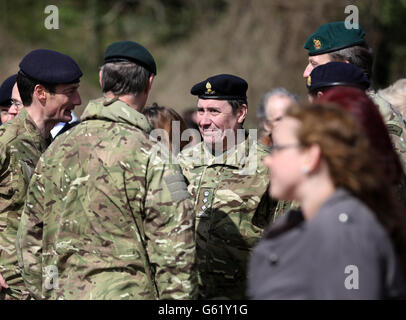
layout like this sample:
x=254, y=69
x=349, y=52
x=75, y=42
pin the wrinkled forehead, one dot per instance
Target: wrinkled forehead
x=212, y=103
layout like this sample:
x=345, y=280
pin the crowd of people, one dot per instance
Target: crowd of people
x=132, y=202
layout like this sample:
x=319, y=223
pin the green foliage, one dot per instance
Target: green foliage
x=392, y=13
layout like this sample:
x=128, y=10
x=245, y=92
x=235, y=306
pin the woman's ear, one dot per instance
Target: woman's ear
x=312, y=158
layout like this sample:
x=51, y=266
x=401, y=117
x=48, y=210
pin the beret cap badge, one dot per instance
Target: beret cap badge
x=208, y=87
x=317, y=44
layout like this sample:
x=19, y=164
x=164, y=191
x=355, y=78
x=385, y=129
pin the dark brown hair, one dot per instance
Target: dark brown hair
x=161, y=117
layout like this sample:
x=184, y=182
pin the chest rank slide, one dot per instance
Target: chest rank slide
x=204, y=202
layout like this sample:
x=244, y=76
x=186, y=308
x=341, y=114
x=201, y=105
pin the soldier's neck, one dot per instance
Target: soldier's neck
x=136, y=102
x=45, y=126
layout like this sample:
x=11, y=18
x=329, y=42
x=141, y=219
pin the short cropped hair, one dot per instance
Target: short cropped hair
x=26, y=86
x=122, y=78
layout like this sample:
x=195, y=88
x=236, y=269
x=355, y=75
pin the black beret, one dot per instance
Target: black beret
x=332, y=37
x=221, y=87
x=50, y=66
x=130, y=51
x=6, y=89
x=337, y=74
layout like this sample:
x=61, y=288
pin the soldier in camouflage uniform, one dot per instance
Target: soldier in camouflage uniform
x=334, y=42
x=6, y=90
x=105, y=216
x=48, y=82
x=229, y=185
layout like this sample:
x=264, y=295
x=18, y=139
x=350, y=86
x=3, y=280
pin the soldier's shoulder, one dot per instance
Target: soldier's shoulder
x=9, y=132
x=262, y=149
x=388, y=111
x=257, y=152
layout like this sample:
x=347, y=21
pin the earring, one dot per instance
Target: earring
x=305, y=170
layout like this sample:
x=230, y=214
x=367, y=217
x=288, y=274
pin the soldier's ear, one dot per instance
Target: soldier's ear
x=101, y=77
x=242, y=113
x=149, y=86
x=40, y=93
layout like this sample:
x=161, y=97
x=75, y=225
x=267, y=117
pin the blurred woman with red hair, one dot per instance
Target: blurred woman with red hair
x=367, y=115
x=348, y=238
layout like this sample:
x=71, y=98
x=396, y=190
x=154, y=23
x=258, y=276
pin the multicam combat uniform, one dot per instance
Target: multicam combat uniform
x=232, y=207
x=395, y=124
x=21, y=145
x=105, y=217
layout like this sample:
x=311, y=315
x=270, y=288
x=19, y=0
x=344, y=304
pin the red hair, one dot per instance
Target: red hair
x=366, y=113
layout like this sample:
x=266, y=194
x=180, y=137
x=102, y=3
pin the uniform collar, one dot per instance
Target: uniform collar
x=32, y=129
x=237, y=156
x=118, y=111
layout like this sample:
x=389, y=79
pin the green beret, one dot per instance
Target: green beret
x=333, y=36
x=130, y=51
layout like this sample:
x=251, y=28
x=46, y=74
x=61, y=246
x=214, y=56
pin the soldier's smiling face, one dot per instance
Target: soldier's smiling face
x=62, y=102
x=215, y=117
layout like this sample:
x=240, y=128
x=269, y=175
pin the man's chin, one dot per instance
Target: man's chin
x=214, y=144
x=212, y=140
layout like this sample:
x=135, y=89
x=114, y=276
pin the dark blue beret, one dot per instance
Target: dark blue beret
x=337, y=74
x=6, y=90
x=50, y=66
x=130, y=51
x=221, y=87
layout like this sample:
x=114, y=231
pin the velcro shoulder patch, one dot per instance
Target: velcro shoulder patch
x=27, y=171
x=177, y=187
x=394, y=129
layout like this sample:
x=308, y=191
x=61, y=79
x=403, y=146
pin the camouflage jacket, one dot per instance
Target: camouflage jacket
x=105, y=217
x=395, y=124
x=21, y=146
x=232, y=208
